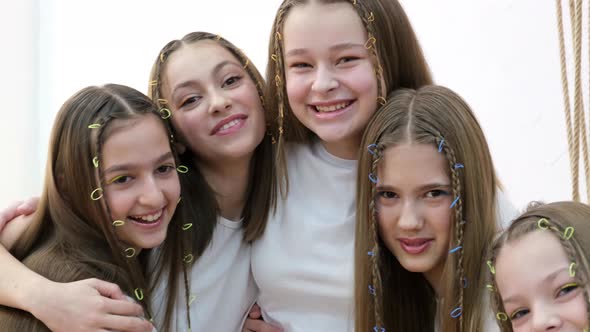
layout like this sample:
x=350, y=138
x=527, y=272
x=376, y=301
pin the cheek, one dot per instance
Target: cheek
x=120, y=203
x=386, y=221
x=576, y=310
x=440, y=220
x=296, y=87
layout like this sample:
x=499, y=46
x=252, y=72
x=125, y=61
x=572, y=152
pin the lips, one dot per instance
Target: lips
x=331, y=107
x=228, y=123
x=149, y=218
x=415, y=246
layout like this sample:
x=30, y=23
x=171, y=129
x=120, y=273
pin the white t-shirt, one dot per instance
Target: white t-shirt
x=221, y=281
x=304, y=263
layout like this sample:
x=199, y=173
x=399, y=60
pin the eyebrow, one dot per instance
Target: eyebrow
x=337, y=47
x=123, y=167
x=546, y=280
x=429, y=186
x=215, y=71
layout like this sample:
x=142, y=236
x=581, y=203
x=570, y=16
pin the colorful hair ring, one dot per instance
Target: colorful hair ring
x=182, y=169
x=96, y=194
x=457, y=312
x=543, y=223
x=118, y=223
x=165, y=113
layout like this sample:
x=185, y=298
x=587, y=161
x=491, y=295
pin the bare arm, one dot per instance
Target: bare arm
x=86, y=305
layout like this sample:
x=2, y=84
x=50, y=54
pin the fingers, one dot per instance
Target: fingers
x=122, y=307
x=107, y=289
x=254, y=325
x=128, y=324
x=255, y=312
x=9, y=213
x=28, y=206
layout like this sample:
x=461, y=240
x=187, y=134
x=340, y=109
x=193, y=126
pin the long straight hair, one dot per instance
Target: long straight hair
x=260, y=193
x=398, y=62
x=72, y=235
x=402, y=300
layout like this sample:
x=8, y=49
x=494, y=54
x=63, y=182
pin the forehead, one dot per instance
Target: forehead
x=542, y=253
x=413, y=164
x=197, y=58
x=134, y=140
x=316, y=24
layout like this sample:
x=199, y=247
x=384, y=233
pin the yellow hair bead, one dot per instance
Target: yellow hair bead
x=543, y=223
x=370, y=42
x=490, y=287
x=129, y=252
x=572, y=269
x=371, y=17
x=274, y=57
x=161, y=57
x=247, y=63
x=153, y=83
x=279, y=36
x=165, y=113
x=492, y=269
x=118, y=223
x=187, y=226
x=502, y=316
x=381, y=101
x=162, y=101
x=139, y=294
x=94, y=126
x=96, y=194
x=192, y=299
x=568, y=233
x=95, y=162
x=188, y=258
x=278, y=80
x=182, y=169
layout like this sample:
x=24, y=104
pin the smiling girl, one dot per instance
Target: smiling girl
x=540, y=270
x=426, y=213
x=111, y=191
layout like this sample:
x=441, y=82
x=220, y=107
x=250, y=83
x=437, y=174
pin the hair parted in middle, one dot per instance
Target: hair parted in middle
x=404, y=300
x=261, y=197
x=72, y=236
x=398, y=62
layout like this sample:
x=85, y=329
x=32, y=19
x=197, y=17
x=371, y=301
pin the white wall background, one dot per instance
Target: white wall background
x=500, y=55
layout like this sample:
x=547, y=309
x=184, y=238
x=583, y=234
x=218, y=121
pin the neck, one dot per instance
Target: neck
x=229, y=181
x=344, y=149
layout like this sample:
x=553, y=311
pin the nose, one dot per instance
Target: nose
x=410, y=218
x=545, y=318
x=324, y=80
x=151, y=193
x=220, y=101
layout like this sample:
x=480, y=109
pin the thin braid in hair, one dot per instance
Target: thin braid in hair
x=367, y=18
x=458, y=223
x=375, y=252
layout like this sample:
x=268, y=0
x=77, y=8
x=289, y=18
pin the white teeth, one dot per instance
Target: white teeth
x=331, y=108
x=149, y=217
x=229, y=124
